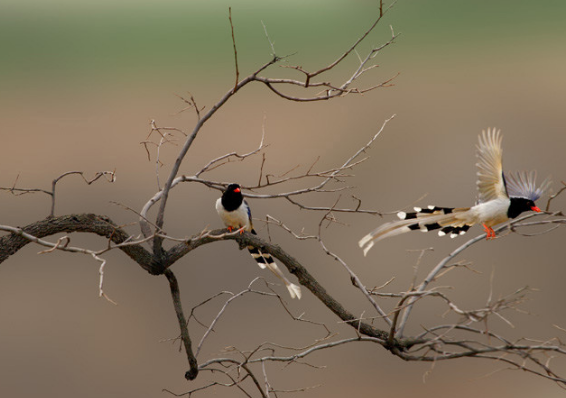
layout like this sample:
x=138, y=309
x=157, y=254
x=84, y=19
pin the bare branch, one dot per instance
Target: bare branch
x=552, y=197
x=109, y=175
x=157, y=247
x=235, y=51
x=211, y=327
x=192, y=373
x=357, y=282
x=444, y=263
x=90, y=223
x=268, y=39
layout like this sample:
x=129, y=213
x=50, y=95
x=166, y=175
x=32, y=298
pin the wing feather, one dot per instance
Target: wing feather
x=491, y=183
x=523, y=185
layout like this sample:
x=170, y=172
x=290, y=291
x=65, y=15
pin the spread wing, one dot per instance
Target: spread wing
x=523, y=185
x=491, y=183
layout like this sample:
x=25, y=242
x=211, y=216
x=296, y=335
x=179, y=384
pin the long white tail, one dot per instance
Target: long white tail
x=294, y=290
x=445, y=219
x=264, y=260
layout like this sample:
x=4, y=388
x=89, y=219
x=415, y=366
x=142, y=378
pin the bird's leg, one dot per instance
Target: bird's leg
x=490, y=233
x=240, y=230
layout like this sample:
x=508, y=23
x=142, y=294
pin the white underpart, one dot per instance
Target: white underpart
x=235, y=219
x=490, y=213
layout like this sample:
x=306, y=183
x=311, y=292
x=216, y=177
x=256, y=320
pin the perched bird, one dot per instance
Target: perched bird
x=500, y=197
x=236, y=214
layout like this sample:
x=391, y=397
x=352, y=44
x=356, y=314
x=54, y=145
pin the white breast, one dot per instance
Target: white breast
x=491, y=212
x=235, y=219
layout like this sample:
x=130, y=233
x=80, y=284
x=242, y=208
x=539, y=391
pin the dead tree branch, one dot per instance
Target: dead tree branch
x=109, y=175
x=333, y=91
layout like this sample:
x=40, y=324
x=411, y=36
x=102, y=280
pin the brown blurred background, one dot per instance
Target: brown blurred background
x=79, y=83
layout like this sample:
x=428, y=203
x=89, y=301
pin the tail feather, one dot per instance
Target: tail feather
x=426, y=212
x=260, y=258
x=294, y=290
x=447, y=220
x=264, y=260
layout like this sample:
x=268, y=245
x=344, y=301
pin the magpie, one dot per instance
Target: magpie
x=501, y=196
x=236, y=214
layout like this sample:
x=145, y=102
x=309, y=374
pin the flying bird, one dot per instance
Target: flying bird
x=501, y=196
x=236, y=214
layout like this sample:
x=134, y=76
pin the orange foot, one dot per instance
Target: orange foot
x=241, y=230
x=490, y=233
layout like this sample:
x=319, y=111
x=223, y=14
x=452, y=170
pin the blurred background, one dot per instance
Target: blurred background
x=80, y=82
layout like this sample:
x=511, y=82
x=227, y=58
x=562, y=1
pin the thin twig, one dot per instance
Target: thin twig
x=235, y=51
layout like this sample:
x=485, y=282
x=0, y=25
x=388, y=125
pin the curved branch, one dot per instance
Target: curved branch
x=294, y=267
x=103, y=226
x=88, y=223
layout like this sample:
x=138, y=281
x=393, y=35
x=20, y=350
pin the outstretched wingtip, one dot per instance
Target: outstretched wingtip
x=523, y=185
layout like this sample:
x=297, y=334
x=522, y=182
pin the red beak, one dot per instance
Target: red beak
x=237, y=190
x=535, y=208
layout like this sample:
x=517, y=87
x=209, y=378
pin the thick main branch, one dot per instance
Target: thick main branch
x=103, y=226
x=87, y=223
x=294, y=267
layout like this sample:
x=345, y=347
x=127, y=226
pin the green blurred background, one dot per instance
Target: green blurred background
x=79, y=83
